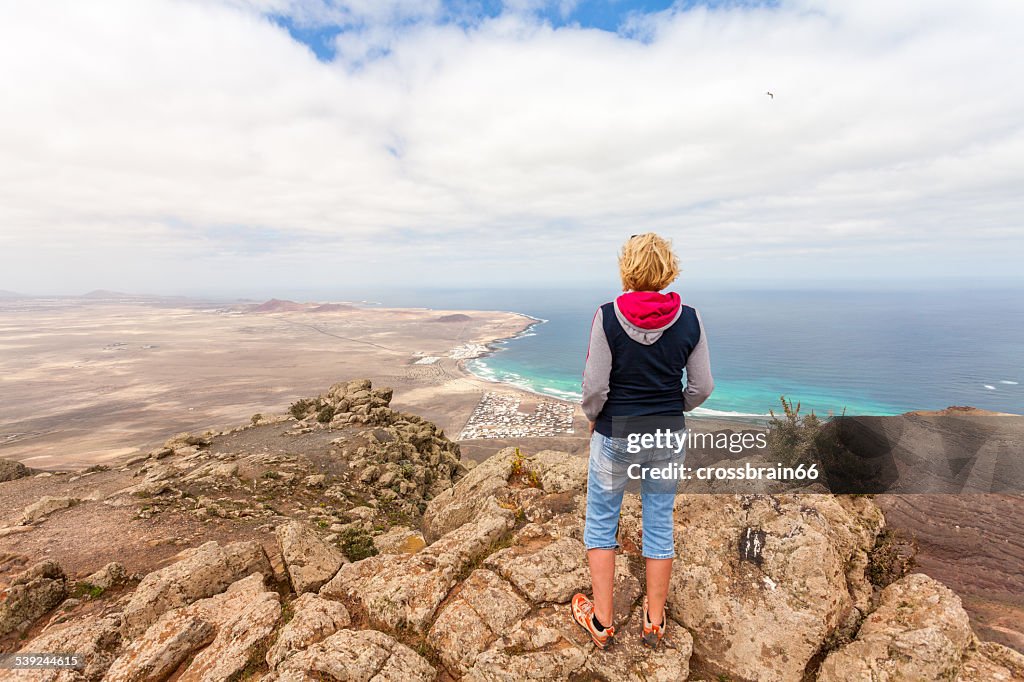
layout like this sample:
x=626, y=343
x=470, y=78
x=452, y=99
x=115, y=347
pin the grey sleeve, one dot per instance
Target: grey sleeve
x=597, y=370
x=699, y=382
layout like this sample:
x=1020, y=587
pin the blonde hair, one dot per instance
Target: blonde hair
x=647, y=263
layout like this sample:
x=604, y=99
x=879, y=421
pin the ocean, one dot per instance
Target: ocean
x=859, y=352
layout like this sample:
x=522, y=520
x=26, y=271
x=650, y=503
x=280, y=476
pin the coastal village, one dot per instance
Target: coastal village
x=498, y=415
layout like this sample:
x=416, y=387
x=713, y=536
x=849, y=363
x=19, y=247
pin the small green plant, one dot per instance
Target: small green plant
x=518, y=463
x=89, y=590
x=270, y=473
x=522, y=471
x=256, y=418
x=325, y=415
x=800, y=439
x=891, y=558
x=356, y=544
x=300, y=408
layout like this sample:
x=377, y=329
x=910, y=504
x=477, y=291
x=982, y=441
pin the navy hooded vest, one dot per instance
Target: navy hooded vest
x=646, y=380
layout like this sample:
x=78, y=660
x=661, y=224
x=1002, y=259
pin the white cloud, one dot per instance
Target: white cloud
x=137, y=135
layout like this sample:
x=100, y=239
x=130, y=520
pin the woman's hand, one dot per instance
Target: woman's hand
x=592, y=425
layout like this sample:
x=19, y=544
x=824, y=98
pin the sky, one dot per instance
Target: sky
x=260, y=147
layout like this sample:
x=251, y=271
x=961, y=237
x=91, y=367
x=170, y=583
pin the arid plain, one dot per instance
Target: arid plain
x=88, y=380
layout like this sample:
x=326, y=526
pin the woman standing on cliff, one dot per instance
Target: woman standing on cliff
x=640, y=345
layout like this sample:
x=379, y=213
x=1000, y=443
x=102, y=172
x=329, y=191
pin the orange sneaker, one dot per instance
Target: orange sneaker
x=583, y=614
x=652, y=633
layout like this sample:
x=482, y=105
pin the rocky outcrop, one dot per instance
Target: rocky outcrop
x=399, y=540
x=31, y=594
x=310, y=561
x=492, y=481
x=229, y=628
x=991, y=662
x=481, y=609
x=244, y=619
x=201, y=572
x=11, y=470
x=765, y=587
x=356, y=655
x=165, y=645
x=314, y=620
x=919, y=631
x=405, y=592
x=111, y=575
x=96, y=638
x=761, y=581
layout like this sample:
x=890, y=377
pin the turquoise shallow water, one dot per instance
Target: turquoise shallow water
x=877, y=352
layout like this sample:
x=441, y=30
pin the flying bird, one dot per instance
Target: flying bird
x=770, y=94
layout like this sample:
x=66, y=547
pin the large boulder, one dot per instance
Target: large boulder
x=230, y=628
x=919, y=631
x=31, y=594
x=309, y=560
x=200, y=572
x=11, y=470
x=355, y=655
x=161, y=649
x=404, y=592
x=546, y=645
x=314, y=620
x=479, y=611
x=244, y=618
x=96, y=638
x=991, y=662
x=486, y=485
x=762, y=580
x=44, y=506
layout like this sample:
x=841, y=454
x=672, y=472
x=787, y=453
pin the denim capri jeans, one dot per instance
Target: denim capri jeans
x=610, y=469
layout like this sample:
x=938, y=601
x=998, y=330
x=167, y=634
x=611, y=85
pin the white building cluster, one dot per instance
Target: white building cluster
x=497, y=415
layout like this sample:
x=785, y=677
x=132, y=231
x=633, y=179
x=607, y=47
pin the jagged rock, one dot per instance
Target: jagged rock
x=365, y=655
x=234, y=624
x=761, y=580
x=95, y=638
x=201, y=572
x=478, y=490
x=315, y=481
x=558, y=471
x=164, y=646
x=551, y=572
x=919, y=631
x=481, y=610
x=244, y=618
x=310, y=561
x=315, y=619
x=543, y=646
x=109, y=576
x=31, y=594
x=399, y=540
x=991, y=662
x=44, y=506
x=10, y=470
x=404, y=592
